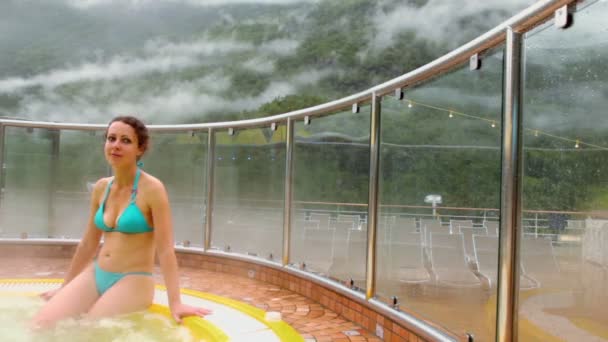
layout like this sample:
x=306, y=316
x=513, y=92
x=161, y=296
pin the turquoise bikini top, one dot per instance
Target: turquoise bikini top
x=131, y=221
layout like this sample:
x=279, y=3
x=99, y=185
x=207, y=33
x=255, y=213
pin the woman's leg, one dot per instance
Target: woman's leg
x=132, y=293
x=74, y=299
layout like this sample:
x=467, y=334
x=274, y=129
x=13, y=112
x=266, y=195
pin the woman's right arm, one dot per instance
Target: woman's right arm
x=89, y=243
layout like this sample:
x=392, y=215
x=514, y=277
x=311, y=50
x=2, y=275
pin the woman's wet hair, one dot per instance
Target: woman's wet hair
x=138, y=126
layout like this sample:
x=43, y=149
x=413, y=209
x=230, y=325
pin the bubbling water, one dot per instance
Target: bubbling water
x=16, y=312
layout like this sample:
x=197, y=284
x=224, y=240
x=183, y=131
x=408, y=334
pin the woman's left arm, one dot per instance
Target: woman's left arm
x=163, y=239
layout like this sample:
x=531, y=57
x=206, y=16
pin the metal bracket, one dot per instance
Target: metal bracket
x=399, y=93
x=563, y=18
x=230, y=131
x=307, y=120
x=273, y=126
x=356, y=108
x=474, y=62
x=395, y=302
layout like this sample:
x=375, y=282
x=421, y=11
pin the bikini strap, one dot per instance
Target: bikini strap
x=105, y=195
x=134, y=190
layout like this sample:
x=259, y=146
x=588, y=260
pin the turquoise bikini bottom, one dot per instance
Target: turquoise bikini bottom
x=104, y=280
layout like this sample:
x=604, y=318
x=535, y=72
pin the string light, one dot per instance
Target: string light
x=577, y=143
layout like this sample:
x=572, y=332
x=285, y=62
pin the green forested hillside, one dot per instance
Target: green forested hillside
x=182, y=62
x=177, y=62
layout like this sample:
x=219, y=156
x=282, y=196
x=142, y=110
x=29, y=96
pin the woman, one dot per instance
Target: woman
x=132, y=210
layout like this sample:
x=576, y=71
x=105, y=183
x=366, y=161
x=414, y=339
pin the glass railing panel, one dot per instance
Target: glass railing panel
x=25, y=209
x=330, y=194
x=440, y=146
x=564, y=248
x=79, y=164
x=249, y=189
x=179, y=160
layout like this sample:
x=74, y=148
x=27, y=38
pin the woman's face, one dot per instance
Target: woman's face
x=121, y=147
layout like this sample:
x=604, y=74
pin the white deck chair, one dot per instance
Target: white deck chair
x=353, y=219
x=456, y=224
x=492, y=227
x=403, y=225
x=538, y=261
x=407, y=260
x=322, y=219
x=449, y=262
x=384, y=233
x=341, y=236
x=467, y=234
x=486, y=255
x=407, y=237
x=433, y=227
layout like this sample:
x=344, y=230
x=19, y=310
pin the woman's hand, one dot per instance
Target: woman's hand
x=49, y=294
x=181, y=310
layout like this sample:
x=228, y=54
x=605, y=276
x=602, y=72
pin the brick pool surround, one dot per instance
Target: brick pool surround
x=350, y=304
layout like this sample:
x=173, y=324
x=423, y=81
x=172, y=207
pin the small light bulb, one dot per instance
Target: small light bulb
x=409, y=104
x=493, y=124
x=451, y=115
x=536, y=133
x=576, y=145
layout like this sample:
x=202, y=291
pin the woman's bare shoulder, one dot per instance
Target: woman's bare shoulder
x=151, y=184
x=102, y=183
x=99, y=188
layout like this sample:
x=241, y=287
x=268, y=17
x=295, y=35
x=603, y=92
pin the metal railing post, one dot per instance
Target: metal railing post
x=210, y=188
x=511, y=189
x=2, y=128
x=55, y=135
x=372, y=205
x=288, y=201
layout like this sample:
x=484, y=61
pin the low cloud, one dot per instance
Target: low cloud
x=175, y=104
x=86, y=4
x=281, y=47
x=158, y=56
x=440, y=20
x=119, y=67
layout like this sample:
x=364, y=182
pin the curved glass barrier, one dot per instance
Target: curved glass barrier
x=330, y=194
x=438, y=193
x=26, y=209
x=249, y=191
x=180, y=161
x=564, y=259
x=79, y=163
